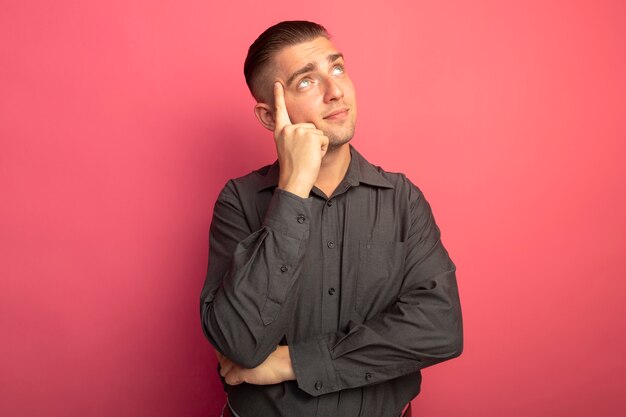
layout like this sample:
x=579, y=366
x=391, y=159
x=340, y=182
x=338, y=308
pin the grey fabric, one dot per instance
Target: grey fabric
x=358, y=284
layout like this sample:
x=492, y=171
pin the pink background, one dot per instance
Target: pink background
x=121, y=120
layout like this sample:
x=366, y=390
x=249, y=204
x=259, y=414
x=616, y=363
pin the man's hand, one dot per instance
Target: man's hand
x=300, y=149
x=275, y=369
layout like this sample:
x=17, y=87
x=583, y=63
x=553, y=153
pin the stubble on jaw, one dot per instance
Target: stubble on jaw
x=335, y=141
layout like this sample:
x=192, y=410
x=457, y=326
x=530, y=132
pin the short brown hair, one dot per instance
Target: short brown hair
x=273, y=40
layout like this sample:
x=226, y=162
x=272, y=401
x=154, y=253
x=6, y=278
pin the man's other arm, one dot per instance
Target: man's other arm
x=423, y=327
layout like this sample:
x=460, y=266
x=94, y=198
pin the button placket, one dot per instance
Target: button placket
x=331, y=262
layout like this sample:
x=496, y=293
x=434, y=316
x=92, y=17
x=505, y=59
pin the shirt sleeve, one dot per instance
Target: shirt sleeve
x=246, y=300
x=423, y=327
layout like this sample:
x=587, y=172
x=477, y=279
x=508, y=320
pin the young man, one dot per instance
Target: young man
x=328, y=288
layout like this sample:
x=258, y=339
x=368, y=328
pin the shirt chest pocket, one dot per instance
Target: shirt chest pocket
x=380, y=274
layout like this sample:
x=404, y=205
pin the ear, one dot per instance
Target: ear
x=265, y=115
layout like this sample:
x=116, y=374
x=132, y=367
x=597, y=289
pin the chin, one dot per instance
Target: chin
x=334, y=142
x=340, y=136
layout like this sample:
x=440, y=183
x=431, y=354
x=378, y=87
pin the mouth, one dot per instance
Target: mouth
x=337, y=114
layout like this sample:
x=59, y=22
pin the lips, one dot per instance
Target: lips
x=337, y=114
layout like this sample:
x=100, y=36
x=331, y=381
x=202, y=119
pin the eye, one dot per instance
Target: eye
x=337, y=69
x=305, y=83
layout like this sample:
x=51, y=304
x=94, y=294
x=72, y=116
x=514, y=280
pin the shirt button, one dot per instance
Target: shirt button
x=318, y=385
x=330, y=244
x=331, y=291
x=368, y=376
x=284, y=268
x=329, y=203
x=301, y=219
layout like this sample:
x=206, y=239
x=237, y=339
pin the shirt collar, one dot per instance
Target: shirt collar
x=359, y=171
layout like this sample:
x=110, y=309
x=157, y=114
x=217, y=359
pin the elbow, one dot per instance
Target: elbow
x=450, y=346
x=454, y=345
x=248, y=358
x=244, y=351
x=454, y=332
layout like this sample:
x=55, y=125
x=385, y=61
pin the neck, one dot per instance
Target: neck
x=333, y=169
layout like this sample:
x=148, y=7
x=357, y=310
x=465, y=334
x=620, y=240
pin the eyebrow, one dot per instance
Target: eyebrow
x=311, y=66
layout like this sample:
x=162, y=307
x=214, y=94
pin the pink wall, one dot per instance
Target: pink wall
x=121, y=120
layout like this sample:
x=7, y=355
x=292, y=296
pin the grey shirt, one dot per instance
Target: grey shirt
x=358, y=285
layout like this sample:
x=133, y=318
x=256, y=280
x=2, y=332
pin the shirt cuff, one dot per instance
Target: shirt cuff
x=313, y=368
x=289, y=214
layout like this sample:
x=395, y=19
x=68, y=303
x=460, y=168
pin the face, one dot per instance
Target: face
x=317, y=88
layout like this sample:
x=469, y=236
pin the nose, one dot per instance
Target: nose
x=333, y=90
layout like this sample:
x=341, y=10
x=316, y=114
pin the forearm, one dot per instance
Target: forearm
x=421, y=328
